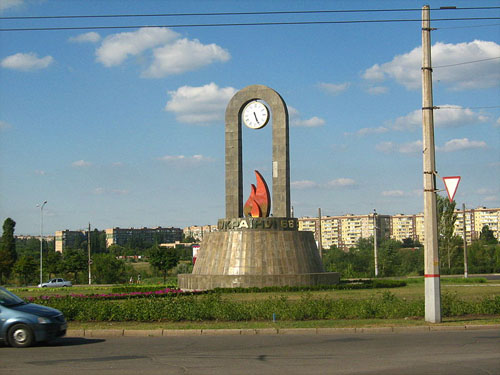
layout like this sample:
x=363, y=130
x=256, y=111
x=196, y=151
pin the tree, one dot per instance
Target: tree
x=25, y=268
x=8, y=255
x=446, y=227
x=389, y=258
x=54, y=263
x=106, y=269
x=163, y=259
x=487, y=236
x=74, y=261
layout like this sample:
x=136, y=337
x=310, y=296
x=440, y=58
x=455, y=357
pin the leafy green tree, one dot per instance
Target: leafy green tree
x=8, y=254
x=75, y=261
x=163, y=259
x=54, y=263
x=26, y=269
x=487, y=236
x=106, y=269
x=389, y=258
x=446, y=228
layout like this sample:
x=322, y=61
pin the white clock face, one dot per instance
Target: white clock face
x=255, y=115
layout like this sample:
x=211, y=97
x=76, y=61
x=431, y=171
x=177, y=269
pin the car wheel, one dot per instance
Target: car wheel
x=44, y=286
x=20, y=336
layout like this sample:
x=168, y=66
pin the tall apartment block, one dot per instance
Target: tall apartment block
x=345, y=231
x=120, y=236
x=68, y=239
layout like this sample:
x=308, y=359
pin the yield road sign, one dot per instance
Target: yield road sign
x=451, y=184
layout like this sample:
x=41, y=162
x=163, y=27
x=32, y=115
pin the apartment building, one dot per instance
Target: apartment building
x=122, y=236
x=69, y=239
x=198, y=231
x=345, y=231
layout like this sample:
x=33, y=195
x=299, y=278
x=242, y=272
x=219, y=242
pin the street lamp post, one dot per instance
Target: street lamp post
x=41, y=239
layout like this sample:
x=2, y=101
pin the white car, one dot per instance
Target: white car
x=55, y=283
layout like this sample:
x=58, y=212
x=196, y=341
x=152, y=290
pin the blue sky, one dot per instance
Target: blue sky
x=125, y=127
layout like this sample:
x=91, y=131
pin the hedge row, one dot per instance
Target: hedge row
x=215, y=307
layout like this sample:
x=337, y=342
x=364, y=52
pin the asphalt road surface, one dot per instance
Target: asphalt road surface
x=441, y=352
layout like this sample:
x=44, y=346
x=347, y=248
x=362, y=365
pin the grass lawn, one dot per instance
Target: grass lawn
x=413, y=291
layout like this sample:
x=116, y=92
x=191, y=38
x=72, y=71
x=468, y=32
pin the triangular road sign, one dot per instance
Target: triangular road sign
x=451, y=184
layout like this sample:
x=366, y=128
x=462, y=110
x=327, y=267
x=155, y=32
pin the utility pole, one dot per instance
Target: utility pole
x=41, y=205
x=90, y=260
x=320, y=245
x=465, y=244
x=375, y=244
x=431, y=254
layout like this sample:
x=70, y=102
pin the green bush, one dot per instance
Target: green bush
x=213, y=306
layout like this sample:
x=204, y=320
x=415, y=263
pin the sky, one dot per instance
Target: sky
x=124, y=127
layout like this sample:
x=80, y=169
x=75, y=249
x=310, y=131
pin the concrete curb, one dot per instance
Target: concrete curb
x=269, y=331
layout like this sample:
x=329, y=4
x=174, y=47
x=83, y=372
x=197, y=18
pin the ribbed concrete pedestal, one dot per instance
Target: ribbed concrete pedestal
x=257, y=258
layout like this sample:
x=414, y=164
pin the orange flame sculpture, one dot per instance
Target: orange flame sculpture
x=259, y=202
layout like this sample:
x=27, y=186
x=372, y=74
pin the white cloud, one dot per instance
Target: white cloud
x=296, y=120
x=102, y=191
x=4, y=125
x=404, y=148
x=91, y=37
x=393, y=193
x=199, y=105
x=461, y=144
x=332, y=88
x=497, y=123
x=6, y=4
x=303, y=184
x=182, y=56
x=195, y=159
x=377, y=90
x=447, y=116
x=417, y=146
x=81, y=163
x=26, y=62
x=117, y=47
x=313, y=122
x=341, y=182
x=40, y=172
x=170, y=55
x=406, y=68
x=367, y=131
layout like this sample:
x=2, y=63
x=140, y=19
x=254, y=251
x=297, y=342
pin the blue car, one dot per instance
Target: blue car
x=22, y=323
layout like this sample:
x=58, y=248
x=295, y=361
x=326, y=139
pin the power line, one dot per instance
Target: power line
x=238, y=13
x=462, y=108
x=245, y=24
x=465, y=63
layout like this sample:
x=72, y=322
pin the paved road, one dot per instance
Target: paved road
x=456, y=353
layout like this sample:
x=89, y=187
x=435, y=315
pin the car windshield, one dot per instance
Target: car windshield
x=9, y=299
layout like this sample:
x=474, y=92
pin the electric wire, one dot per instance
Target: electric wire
x=239, y=24
x=241, y=13
x=465, y=63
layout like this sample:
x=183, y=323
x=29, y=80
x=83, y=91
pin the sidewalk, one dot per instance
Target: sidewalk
x=270, y=331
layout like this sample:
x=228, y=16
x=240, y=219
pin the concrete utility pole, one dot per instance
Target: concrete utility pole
x=90, y=261
x=465, y=244
x=320, y=245
x=431, y=254
x=41, y=239
x=375, y=244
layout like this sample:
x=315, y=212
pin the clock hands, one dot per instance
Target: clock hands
x=256, y=119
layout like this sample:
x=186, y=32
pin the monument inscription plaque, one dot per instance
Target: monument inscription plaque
x=256, y=250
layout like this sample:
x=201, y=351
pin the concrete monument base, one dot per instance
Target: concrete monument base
x=257, y=252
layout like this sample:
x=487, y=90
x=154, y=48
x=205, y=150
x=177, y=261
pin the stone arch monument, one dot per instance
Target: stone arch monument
x=257, y=250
